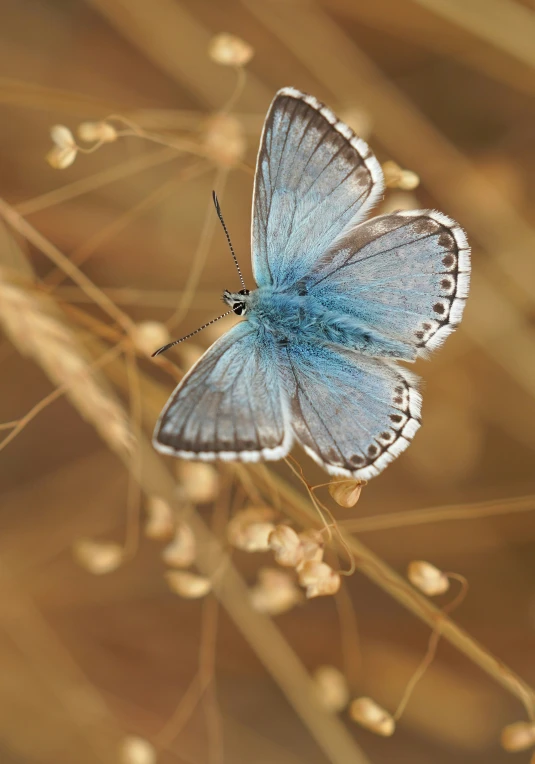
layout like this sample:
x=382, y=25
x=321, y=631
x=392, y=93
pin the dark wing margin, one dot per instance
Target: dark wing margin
x=229, y=406
x=351, y=413
x=314, y=181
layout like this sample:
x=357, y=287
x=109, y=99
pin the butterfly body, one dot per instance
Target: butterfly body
x=339, y=301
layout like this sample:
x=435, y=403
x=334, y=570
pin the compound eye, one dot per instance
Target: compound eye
x=244, y=291
x=239, y=308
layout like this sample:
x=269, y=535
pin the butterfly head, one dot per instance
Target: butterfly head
x=238, y=301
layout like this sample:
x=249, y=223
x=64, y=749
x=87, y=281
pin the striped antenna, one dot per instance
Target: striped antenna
x=220, y=216
x=176, y=342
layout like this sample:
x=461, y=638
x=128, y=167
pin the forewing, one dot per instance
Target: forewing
x=230, y=405
x=314, y=180
x=406, y=275
x=353, y=414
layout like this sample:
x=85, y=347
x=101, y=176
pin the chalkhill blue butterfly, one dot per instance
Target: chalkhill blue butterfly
x=338, y=303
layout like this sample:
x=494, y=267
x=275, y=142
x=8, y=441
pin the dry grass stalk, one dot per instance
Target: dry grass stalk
x=34, y=325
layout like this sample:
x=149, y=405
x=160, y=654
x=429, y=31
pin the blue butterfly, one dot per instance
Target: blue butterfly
x=338, y=303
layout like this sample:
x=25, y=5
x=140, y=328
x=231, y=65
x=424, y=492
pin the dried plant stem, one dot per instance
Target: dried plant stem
x=200, y=256
x=17, y=222
x=89, y=246
x=182, y=713
x=349, y=635
x=440, y=514
x=97, y=180
x=380, y=573
x=133, y=497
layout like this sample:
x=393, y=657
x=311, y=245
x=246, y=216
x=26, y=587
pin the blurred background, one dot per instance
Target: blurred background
x=443, y=92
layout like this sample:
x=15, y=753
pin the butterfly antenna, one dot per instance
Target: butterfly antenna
x=220, y=216
x=176, y=342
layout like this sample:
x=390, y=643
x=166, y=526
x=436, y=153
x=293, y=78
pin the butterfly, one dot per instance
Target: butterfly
x=339, y=301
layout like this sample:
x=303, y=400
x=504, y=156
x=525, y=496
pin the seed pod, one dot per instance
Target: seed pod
x=148, y=336
x=160, y=518
x=346, y=493
x=188, y=585
x=229, y=50
x=427, y=578
x=331, y=688
x=370, y=715
x=313, y=545
x=64, y=151
x=518, y=736
x=200, y=481
x=98, y=557
x=180, y=553
x=319, y=579
x=137, y=750
x=97, y=131
x=223, y=139
x=250, y=529
x=286, y=546
x=275, y=592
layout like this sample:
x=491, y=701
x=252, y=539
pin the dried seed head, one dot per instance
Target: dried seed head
x=275, y=592
x=346, y=493
x=518, y=736
x=160, y=519
x=97, y=131
x=65, y=149
x=199, y=480
x=188, y=585
x=98, y=557
x=399, y=200
x=148, y=336
x=331, y=688
x=228, y=50
x=319, y=579
x=224, y=140
x=313, y=544
x=180, y=553
x=286, y=546
x=136, y=750
x=369, y=714
x=358, y=120
x=427, y=578
x=396, y=177
x=250, y=529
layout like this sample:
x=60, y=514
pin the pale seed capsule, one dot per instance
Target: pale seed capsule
x=331, y=688
x=250, y=529
x=136, y=750
x=223, y=140
x=370, y=715
x=188, y=585
x=518, y=736
x=319, y=579
x=346, y=493
x=200, y=481
x=286, y=546
x=97, y=131
x=160, y=522
x=427, y=578
x=275, y=592
x=64, y=152
x=148, y=336
x=98, y=557
x=229, y=50
x=313, y=545
x=181, y=552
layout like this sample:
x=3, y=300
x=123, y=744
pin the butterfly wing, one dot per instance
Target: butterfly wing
x=314, y=179
x=230, y=405
x=406, y=275
x=352, y=414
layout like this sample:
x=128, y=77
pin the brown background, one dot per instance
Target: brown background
x=447, y=88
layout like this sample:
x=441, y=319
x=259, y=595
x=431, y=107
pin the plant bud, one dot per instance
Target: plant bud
x=319, y=579
x=331, y=688
x=427, y=578
x=346, y=493
x=370, y=715
x=180, y=553
x=188, y=585
x=286, y=546
x=98, y=557
x=518, y=736
x=228, y=50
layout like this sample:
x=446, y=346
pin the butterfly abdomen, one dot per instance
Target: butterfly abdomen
x=291, y=317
